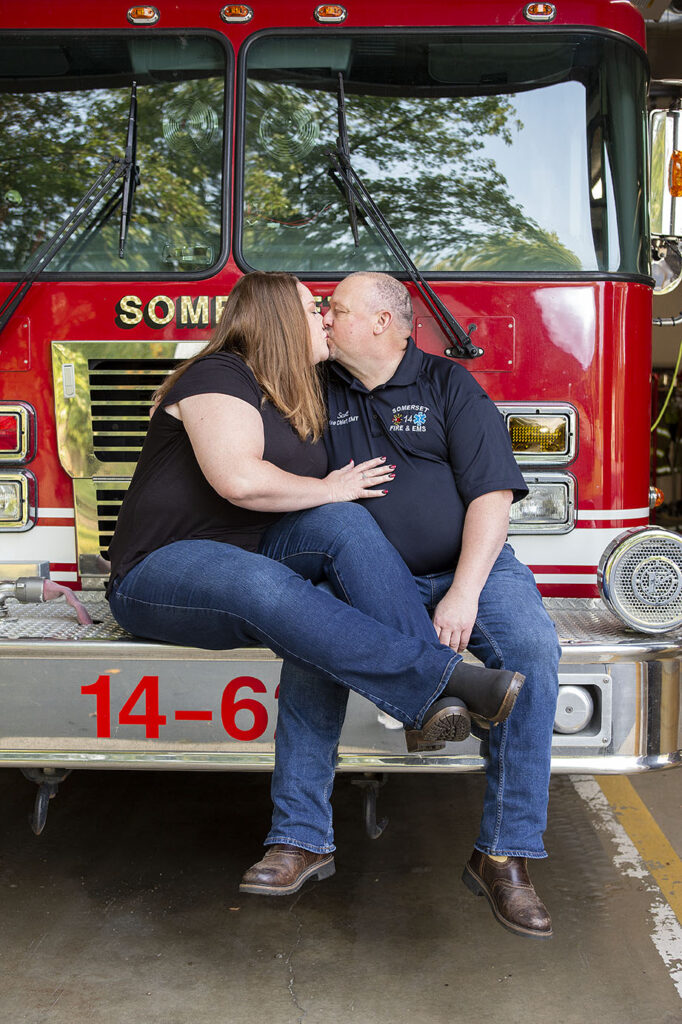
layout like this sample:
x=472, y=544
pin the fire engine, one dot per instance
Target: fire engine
x=495, y=156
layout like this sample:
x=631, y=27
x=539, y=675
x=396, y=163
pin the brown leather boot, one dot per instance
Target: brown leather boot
x=510, y=893
x=284, y=869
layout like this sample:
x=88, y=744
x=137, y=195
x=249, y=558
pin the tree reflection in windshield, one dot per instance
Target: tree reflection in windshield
x=478, y=178
x=56, y=141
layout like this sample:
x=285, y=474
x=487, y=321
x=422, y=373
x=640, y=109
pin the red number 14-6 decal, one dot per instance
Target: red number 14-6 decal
x=145, y=697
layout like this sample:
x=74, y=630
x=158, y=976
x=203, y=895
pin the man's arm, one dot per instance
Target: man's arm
x=485, y=530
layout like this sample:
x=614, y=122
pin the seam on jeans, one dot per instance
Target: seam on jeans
x=293, y=841
x=495, y=852
x=449, y=669
x=330, y=780
x=491, y=640
x=233, y=615
x=500, y=782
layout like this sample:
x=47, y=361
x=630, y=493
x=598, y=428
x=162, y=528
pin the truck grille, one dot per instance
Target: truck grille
x=108, y=505
x=103, y=393
x=121, y=392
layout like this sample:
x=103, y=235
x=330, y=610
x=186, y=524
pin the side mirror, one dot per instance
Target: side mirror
x=665, y=134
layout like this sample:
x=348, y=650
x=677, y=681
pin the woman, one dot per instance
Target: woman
x=232, y=471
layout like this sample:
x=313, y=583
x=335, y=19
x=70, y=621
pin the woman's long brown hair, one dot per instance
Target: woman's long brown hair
x=264, y=322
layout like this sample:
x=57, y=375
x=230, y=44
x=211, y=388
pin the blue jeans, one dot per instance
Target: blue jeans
x=203, y=593
x=513, y=631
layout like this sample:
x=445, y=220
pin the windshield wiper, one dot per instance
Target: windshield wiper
x=132, y=172
x=343, y=156
x=356, y=192
x=116, y=169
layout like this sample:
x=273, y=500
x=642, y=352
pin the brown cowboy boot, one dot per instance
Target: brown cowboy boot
x=284, y=869
x=510, y=893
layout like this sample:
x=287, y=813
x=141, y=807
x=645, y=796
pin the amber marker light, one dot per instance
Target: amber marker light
x=656, y=497
x=236, y=13
x=539, y=12
x=675, y=174
x=330, y=14
x=143, y=15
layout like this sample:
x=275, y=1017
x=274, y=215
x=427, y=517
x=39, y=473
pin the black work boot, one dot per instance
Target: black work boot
x=489, y=693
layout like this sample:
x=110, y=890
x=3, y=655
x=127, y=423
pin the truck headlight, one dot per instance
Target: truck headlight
x=640, y=579
x=18, y=505
x=549, y=506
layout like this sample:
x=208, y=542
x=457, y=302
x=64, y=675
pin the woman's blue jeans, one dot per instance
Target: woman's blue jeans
x=512, y=631
x=203, y=593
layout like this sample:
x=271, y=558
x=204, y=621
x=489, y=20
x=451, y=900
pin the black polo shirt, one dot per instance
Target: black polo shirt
x=447, y=440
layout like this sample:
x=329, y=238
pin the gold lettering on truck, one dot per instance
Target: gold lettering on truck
x=193, y=312
x=188, y=311
x=151, y=315
x=128, y=311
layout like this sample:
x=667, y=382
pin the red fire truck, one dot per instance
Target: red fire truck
x=494, y=155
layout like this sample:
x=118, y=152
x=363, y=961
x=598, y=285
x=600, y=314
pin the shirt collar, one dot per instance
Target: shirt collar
x=407, y=372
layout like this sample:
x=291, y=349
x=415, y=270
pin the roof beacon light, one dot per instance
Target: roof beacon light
x=143, y=15
x=539, y=12
x=236, y=12
x=675, y=174
x=330, y=14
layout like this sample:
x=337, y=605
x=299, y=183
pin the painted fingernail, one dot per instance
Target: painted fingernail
x=391, y=467
x=383, y=458
x=392, y=476
x=384, y=492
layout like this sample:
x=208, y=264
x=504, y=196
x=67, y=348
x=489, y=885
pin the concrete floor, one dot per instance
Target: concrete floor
x=126, y=911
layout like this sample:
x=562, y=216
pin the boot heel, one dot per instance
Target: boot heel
x=472, y=884
x=326, y=871
x=417, y=744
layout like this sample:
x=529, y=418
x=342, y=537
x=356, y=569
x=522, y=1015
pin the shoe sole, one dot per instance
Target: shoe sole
x=477, y=886
x=449, y=725
x=320, y=871
x=507, y=706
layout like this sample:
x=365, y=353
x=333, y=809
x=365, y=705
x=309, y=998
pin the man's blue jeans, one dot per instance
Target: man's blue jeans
x=203, y=593
x=512, y=631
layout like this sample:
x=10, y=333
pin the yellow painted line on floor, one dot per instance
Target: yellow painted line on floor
x=655, y=849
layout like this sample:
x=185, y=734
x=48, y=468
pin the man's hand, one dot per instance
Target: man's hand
x=485, y=529
x=454, y=619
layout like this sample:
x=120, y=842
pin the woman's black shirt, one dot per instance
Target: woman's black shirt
x=169, y=498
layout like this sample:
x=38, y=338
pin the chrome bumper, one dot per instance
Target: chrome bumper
x=47, y=720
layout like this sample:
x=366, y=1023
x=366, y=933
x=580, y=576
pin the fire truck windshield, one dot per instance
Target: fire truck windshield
x=488, y=153
x=64, y=104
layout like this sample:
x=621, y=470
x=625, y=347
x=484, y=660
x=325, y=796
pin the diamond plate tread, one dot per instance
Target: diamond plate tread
x=578, y=621
x=56, y=620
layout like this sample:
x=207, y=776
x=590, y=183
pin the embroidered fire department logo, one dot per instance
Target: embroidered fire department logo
x=408, y=418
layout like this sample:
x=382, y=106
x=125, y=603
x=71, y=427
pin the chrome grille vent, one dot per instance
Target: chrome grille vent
x=121, y=392
x=640, y=576
x=109, y=501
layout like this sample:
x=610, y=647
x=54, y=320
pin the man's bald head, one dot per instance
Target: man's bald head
x=383, y=292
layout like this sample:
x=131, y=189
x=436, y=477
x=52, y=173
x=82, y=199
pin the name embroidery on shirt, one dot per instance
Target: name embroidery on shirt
x=343, y=419
x=406, y=418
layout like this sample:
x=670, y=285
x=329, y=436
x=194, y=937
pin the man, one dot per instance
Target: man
x=447, y=513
